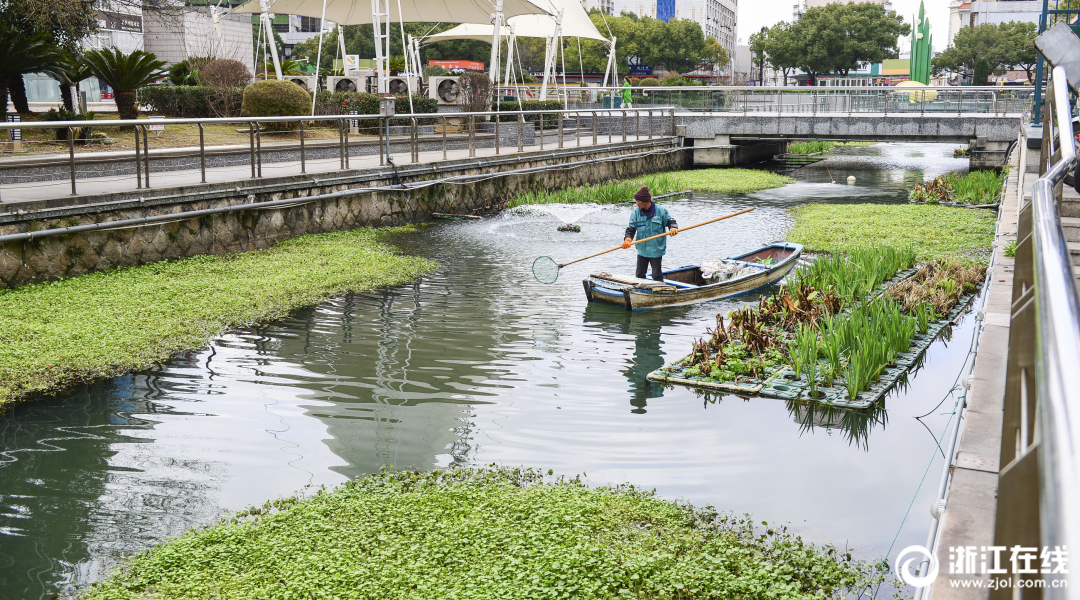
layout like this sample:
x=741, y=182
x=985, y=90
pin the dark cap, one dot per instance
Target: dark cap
x=643, y=194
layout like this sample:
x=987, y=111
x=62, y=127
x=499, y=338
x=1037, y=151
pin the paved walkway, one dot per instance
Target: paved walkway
x=126, y=183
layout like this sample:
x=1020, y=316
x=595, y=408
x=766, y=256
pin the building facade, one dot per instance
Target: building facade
x=804, y=5
x=973, y=14
x=718, y=18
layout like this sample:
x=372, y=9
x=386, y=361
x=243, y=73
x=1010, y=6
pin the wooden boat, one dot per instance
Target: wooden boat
x=687, y=285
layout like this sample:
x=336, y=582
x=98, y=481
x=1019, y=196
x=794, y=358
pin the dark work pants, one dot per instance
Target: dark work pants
x=643, y=263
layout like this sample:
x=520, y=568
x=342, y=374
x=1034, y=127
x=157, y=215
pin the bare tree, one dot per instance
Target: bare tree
x=224, y=81
x=475, y=92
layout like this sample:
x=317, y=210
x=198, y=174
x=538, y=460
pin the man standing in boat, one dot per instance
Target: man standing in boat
x=647, y=220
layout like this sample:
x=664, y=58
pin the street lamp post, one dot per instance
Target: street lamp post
x=761, y=60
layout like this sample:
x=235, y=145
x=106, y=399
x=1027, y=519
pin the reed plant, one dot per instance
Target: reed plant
x=858, y=272
x=977, y=187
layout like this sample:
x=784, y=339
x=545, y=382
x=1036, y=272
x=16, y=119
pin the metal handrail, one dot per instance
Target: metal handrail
x=1058, y=349
x=307, y=119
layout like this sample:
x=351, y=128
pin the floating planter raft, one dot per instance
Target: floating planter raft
x=689, y=285
x=780, y=382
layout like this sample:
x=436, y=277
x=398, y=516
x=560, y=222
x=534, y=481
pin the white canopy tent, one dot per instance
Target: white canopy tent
x=378, y=14
x=567, y=18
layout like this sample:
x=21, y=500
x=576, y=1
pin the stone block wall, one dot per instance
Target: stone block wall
x=68, y=255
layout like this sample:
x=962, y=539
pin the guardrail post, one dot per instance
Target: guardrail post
x=202, y=152
x=673, y=122
x=71, y=157
x=780, y=102
x=560, y=131
x=303, y=158
x=637, y=125
x=341, y=144
x=472, y=136
x=541, y=131
x=813, y=109
x=414, y=146
x=577, y=128
x=251, y=146
x=382, y=151
x=146, y=157
x=521, y=132
x=592, y=117
x=650, y=124
x=344, y=147
x=960, y=104
x=498, y=145
x=624, y=124
x=138, y=161
x=444, y=125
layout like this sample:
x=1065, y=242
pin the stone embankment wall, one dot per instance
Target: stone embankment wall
x=68, y=255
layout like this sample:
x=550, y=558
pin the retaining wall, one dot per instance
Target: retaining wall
x=68, y=255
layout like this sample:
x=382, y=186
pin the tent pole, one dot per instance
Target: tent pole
x=405, y=55
x=318, y=57
x=381, y=60
x=547, y=69
x=344, y=52
x=270, y=38
x=496, y=44
x=509, y=53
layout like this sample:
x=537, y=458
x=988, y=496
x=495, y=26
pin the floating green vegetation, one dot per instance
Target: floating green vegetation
x=977, y=187
x=815, y=147
x=104, y=324
x=934, y=231
x=833, y=321
x=488, y=533
x=700, y=180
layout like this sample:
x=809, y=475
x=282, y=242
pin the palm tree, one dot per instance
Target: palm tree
x=22, y=53
x=69, y=70
x=125, y=73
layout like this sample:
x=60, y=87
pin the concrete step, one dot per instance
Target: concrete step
x=1074, y=253
x=1071, y=227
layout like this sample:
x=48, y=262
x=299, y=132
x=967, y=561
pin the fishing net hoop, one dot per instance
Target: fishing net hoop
x=545, y=270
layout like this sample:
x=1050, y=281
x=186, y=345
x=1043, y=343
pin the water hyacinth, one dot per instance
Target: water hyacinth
x=487, y=533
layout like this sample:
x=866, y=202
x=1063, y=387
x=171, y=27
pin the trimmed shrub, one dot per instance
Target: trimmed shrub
x=362, y=103
x=274, y=98
x=649, y=82
x=181, y=101
x=512, y=105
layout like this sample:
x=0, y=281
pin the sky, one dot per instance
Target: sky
x=753, y=14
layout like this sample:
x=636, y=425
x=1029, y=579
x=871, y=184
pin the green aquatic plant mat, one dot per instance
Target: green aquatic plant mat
x=730, y=181
x=701, y=180
x=494, y=533
x=934, y=231
x=104, y=324
x=815, y=147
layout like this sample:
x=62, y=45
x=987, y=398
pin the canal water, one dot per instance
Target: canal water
x=478, y=364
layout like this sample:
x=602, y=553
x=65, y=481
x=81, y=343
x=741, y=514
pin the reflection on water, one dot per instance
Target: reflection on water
x=477, y=363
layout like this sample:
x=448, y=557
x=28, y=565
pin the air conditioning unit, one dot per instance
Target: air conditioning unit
x=400, y=85
x=445, y=90
x=308, y=83
x=346, y=84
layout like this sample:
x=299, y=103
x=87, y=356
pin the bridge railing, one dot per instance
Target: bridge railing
x=1039, y=486
x=42, y=152
x=944, y=100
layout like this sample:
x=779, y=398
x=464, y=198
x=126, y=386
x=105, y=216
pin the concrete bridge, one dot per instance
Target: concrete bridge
x=732, y=139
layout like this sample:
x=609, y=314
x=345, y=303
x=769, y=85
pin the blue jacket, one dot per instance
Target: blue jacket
x=647, y=224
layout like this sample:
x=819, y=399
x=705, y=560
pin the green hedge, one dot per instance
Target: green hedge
x=275, y=98
x=512, y=106
x=343, y=103
x=181, y=101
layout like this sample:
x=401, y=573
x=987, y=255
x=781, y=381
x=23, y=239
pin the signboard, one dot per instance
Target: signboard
x=157, y=126
x=463, y=65
x=640, y=70
x=114, y=21
x=106, y=96
x=352, y=62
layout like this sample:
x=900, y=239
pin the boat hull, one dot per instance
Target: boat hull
x=644, y=296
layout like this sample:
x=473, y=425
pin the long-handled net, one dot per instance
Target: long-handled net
x=546, y=270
